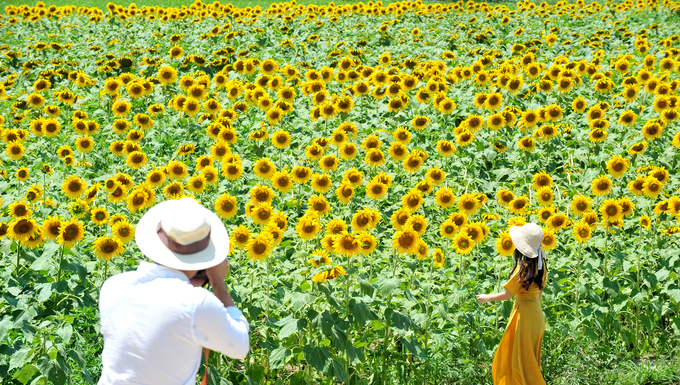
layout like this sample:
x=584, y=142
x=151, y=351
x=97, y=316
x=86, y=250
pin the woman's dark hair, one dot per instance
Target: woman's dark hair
x=527, y=270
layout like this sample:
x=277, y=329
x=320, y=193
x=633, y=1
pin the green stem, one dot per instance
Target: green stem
x=61, y=259
x=18, y=257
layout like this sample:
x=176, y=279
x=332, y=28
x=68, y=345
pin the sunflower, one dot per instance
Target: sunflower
x=123, y=231
x=354, y=177
x=319, y=257
x=99, y=216
x=308, y=227
x=321, y=183
x=549, y=240
x=22, y=229
x=519, y=205
x=462, y=243
x=73, y=186
x=176, y=170
x=418, y=223
x=405, y=241
x=464, y=138
x=617, y=166
x=281, y=139
x=601, y=185
x=412, y=200
x=413, y=162
x=196, y=184
x=445, y=198
x=240, y=236
x=262, y=213
x=71, y=232
x=645, y=222
x=557, y=222
x=582, y=232
x=345, y=192
x=651, y=187
x=661, y=174
x=611, y=210
x=468, y=204
x=545, y=196
x=504, y=197
x=527, y=144
x=374, y=157
x=333, y=273
x=504, y=245
x=106, y=247
x=636, y=185
x=20, y=209
x=121, y=108
x=15, y=150
x=301, y=174
x=259, y=246
x=637, y=148
x=580, y=204
x=627, y=206
x=445, y=148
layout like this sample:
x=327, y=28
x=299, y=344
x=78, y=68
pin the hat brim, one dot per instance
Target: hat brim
x=153, y=248
x=519, y=240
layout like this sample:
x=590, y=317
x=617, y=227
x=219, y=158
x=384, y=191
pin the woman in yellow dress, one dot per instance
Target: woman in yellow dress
x=518, y=357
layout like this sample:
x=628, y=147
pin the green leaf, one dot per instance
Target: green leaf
x=215, y=378
x=51, y=369
x=338, y=371
x=673, y=293
x=413, y=346
x=25, y=374
x=45, y=291
x=339, y=338
x=318, y=357
x=662, y=274
x=366, y=287
x=255, y=374
x=355, y=355
x=5, y=326
x=277, y=358
x=360, y=311
x=288, y=325
x=388, y=286
x=19, y=357
x=65, y=332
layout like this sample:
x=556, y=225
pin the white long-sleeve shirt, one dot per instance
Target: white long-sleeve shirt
x=155, y=323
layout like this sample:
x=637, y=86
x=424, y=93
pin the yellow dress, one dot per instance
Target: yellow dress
x=518, y=357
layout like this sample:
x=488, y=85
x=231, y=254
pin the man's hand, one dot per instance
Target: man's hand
x=217, y=273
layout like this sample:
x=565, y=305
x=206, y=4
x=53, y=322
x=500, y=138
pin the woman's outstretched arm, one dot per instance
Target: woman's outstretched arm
x=482, y=298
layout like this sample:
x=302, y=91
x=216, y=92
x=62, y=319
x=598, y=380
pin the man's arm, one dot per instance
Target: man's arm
x=219, y=324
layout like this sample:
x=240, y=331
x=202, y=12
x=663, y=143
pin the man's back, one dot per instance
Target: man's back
x=155, y=322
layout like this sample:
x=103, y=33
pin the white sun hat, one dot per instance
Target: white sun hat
x=527, y=239
x=183, y=235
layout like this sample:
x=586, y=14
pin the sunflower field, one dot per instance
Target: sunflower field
x=368, y=160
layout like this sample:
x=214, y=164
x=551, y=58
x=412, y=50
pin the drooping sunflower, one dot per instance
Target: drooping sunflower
x=627, y=206
x=557, y=222
x=636, y=185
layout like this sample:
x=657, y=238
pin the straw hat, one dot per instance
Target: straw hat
x=527, y=239
x=183, y=235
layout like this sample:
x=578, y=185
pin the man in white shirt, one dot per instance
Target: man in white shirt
x=155, y=320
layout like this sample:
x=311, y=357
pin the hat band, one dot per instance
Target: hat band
x=179, y=248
